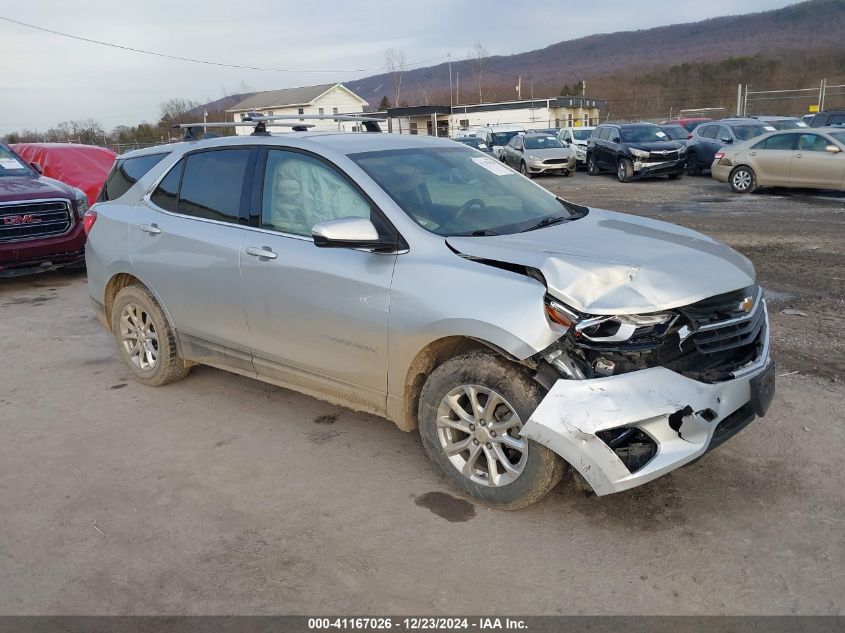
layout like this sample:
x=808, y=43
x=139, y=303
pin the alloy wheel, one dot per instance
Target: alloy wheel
x=139, y=337
x=479, y=431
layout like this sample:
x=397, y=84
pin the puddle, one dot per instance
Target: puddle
x=446, y=506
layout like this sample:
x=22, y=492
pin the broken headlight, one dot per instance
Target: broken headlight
x=639, y=153
x=604, y=328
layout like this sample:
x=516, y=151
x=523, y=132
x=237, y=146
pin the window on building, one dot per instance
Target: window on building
x=413, y=127
x=301, y=111
x=320, y=111
x=464, y=123
x=334, y=110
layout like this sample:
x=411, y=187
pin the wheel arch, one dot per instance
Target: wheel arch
x=432, y=355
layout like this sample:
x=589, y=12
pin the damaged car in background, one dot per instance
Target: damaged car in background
x=421, y=281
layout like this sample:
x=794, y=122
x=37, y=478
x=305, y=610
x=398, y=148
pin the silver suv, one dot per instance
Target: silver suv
x=421, y=281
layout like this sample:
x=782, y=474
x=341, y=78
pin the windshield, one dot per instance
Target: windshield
x=542, y=142
x=839, y=136
x=691, y=125
x=786, y=124
x=745, y=132
x=675, y=132
x=457, y=192
x=643, y=134
x=11, y=164
x=581, y=135
x=503, y=138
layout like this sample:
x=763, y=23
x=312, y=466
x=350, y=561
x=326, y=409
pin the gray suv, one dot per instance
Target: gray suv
x=422, y=281
x=709, y=138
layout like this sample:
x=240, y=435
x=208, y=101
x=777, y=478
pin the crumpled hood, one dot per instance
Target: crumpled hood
x=613, y=263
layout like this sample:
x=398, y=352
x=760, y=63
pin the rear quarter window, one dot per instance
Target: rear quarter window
x=127, y=172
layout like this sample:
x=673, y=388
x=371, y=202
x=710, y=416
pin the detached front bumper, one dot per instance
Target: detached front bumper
x=680, y=418
x=664, y=168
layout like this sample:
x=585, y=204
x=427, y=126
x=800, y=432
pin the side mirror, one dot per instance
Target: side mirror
x=833, y=149
x=37, y=167
x=347, y=233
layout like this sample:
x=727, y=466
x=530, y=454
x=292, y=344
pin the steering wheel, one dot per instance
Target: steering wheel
x=475, y=202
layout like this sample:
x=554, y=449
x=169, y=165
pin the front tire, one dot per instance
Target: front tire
x=743, y=179
x=471, y=410
x=592, y=165
x=624, y=170
x=145, y=339
x=523, y=169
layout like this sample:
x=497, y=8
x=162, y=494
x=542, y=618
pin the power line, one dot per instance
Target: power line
x=204, y=61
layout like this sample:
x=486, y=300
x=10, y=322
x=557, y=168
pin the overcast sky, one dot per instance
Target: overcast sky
x=46, y=79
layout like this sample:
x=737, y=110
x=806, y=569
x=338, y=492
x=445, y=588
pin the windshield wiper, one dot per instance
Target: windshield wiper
x=476, y=233
x=547, y=222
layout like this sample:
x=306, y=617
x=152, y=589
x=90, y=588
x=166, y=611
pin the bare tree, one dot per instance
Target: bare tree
x=478, y=61
x=173, y=109
x=395, y=60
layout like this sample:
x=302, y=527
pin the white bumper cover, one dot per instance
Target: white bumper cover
x=573, y=411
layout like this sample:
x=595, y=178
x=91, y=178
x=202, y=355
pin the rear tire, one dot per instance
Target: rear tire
x=693, y=167
x=145, y=339
x=624, y=170
x=465, y=439
x=743, y=179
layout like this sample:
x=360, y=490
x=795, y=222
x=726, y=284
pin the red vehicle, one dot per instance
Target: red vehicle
x=83, y=166
x=688, y=124
x=40, y=219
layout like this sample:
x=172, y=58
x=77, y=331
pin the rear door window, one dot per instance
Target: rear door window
x=127, y=172
x=166, y=195
x=778, y=141
x=707, y=131
x=213, y=184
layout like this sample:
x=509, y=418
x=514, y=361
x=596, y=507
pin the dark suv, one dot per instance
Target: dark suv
x=634, y=150
x=828, y=117
x=709, y=138
x=40, y=219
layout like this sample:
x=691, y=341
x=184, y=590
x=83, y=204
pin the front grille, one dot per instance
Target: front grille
x=659, y=158
x=34, y=219
x=556, y=161
x=723, y=337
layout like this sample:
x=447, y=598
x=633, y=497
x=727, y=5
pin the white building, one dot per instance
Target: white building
x=324, y=99
x=543, y=113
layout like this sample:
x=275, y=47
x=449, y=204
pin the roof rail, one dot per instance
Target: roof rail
x=369, y=123
x=195, y=131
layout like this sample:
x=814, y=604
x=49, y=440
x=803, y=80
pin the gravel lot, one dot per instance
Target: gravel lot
x=224, y=495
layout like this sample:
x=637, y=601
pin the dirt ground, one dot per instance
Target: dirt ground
x=223, y=495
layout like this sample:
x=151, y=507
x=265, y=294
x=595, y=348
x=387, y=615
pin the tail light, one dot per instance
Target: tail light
x=719, y=155
x=88, y=219
x=689, y=136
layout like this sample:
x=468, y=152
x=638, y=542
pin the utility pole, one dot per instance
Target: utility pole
x=458, y=87
x=519, y=87
x=739, y=99
x=583, y=88
x=531, y=79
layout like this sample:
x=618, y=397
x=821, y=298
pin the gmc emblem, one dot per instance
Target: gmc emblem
x=21, y=219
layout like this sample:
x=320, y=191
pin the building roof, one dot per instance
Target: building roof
x=539, y=102
x=286, y=97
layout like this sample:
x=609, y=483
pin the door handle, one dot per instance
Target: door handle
x=752, y=153
x=263, y=251
x=152, y=229
x=797, y=155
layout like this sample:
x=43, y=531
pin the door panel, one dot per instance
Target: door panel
x=771, y=165
x=318, y=317
x=193, y=267
x=813, y=166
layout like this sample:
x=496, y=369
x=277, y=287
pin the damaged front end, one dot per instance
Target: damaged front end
x=632, y=397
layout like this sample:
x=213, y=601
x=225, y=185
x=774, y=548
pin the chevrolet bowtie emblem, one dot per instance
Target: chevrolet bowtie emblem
x=747, y=304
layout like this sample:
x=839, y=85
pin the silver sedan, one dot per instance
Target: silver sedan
x=422, y=281
x=535, y=154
